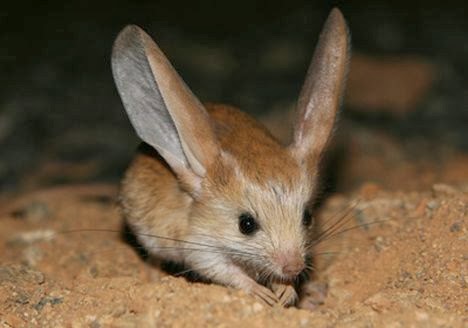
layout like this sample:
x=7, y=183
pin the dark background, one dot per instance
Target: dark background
x=61, y=119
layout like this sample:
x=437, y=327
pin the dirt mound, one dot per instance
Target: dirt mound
x=405, y=264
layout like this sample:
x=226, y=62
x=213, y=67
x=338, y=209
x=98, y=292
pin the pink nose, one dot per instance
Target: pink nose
x=291, y=263
x=293, y=268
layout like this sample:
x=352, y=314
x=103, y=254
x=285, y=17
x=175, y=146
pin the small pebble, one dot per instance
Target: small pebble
x=34, y=211
x=257, y=307
x=441, y=189
x=379, y=302
x=30, y=237
x=47, y=300
x=22, y=298
x=95, y=324
x=226, y=299
x=118, y=311
x=455, y=227
x=421, y=316
x=379, y=243
x=432, y=204
x=304, y=322
x=19, y=273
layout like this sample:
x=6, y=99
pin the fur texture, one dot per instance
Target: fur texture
x=202, y=167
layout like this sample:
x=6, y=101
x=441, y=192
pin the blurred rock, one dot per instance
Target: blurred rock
x=391, y=84
x=31, y=237
x=16, y=273
x=34, y=211
x=439, y=189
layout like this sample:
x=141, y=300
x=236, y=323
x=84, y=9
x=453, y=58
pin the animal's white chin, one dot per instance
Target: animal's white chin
x=284, y=279
x=269, y=273
x=273, y=276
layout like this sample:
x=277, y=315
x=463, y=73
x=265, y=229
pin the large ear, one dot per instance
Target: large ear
x=322, y=91
x=161, y=108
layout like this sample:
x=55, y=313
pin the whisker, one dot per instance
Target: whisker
x=139, y=234
x=353, y=228
x=168, y=248
x=310, y=267
x=194, y=249
x=192, y=269
x=250, y=249
x=325, y=253
x=335, y=234
x=102, y=251
x=343, y=219
x=186, y=271
x=238, y=252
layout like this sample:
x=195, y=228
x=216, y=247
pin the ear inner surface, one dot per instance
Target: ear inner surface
x=162, y=109
x=323, y=88
x=189, y=115
x=142, y=100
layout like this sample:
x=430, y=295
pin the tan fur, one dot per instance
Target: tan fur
x=260, y=156
x=153, y=202
x=208, y=165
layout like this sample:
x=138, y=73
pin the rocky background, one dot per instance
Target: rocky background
x=61, y=119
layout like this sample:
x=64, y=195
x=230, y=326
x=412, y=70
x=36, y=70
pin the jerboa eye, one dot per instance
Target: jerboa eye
x=247, y=224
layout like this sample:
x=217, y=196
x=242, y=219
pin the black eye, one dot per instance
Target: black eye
x=306, y=218
x=247, y=224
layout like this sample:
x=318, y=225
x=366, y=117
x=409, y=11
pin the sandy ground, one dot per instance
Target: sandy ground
x=398, y=167
x=408, y=269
